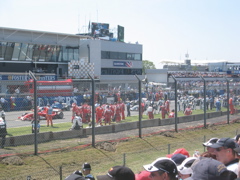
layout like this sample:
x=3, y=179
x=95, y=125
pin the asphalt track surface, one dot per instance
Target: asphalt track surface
x=87, y=141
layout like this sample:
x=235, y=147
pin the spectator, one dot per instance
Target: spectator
x=225, y=153
x=143, y=175
x=17, y=91
x=179, y=151
x=33, y=126
x=128, y=109
x=210, y=169
x=218, y=105
x=178, y=158
x=162, y=169
x=118, y=173
x=86, y=168
x=184, y=169
x=3, y=128
x=209, y=143
x=4, y=103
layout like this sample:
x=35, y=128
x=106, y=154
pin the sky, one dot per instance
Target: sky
x=208, y=30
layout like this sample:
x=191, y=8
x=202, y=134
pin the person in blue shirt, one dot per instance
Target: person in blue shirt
x=86, y=169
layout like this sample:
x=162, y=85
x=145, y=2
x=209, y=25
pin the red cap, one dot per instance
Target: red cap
x=143, y=175
x=179, y=151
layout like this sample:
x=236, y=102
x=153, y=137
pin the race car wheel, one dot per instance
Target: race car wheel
x=60, y=115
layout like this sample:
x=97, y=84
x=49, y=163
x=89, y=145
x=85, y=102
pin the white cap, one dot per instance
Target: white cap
x=185, y=167
x=210, y=142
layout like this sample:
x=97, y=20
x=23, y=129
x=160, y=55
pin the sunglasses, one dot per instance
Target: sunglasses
x=219, y=149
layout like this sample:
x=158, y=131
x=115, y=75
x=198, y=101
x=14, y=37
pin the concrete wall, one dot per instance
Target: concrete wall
x=49, y=136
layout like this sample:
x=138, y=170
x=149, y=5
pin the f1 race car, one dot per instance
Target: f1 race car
x=29, y=116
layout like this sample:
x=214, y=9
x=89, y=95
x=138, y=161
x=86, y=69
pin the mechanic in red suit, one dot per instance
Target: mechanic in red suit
x=188, y=111
x=107, y=115
x=122, y=105
x=163, y=111
x=231, y=106
x=117, y=112
x=99, y=115
x=76, y=111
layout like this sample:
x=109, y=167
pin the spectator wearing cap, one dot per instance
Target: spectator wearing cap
x=118, y=173
x=179, y=151
x=178, y=158
x=143, y=175
x=209, y=143
x=225, y=153
x=184, y=169
x=210, y=169
x=162, y=169
x=86, y=168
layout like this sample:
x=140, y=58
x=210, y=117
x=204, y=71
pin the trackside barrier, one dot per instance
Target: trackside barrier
x=50, y=136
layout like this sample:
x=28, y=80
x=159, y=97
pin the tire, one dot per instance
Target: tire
x=60, y=115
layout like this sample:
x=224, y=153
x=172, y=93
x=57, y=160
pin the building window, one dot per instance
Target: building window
x=16, y=51
x=121, y=55
x=23, y=51
x=9, y=51
x=2, y=49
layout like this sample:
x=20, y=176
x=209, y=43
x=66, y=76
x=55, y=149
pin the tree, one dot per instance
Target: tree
x=148, y=65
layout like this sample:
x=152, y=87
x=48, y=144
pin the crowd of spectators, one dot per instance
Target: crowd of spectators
x=197, y=74
x=220, y=161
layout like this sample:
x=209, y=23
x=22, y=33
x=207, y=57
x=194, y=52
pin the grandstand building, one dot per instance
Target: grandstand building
x=53, y=56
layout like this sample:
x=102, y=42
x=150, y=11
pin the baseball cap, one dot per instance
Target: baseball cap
x=163, y=164
x=143, y=175
x=210, y=142
x=179, y=151
x=224, y=142
x=86, y=166
x=178, y=158
x=185, y=167
x=118, y=172
x=207, y=168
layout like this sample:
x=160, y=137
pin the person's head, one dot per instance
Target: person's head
x=210, y=169
x=179, y=151
x=118, y=173
x=178, y=158
x=162, y=169
x=209, y=143
x=224, y=150
x=184, y=169
x=143, y=175
x=86, y=168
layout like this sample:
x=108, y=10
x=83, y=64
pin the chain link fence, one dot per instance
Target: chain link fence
x=157, y=101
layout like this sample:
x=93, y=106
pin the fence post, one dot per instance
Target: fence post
x=35, y=112
x=227, y=100
x=204, y=94
x=93, y=112
x=124, y=159
x=60, y=172
x=169, y=148
x=176, y=111
x=140, y=107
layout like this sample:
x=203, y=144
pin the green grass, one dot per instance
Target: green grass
x=135, y=151
x=18, y=131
